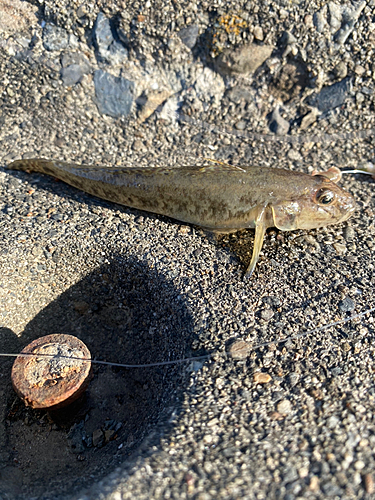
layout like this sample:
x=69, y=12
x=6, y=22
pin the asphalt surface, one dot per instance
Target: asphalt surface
x=139, y=288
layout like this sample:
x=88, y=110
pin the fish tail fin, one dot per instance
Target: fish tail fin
x=32, y=165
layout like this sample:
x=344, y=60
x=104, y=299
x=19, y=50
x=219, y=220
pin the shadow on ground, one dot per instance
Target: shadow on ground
x=124, y=312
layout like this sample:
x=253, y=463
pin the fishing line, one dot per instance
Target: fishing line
x=292, y=139
x=194, y=358
x=177, y=115
x=366, y=172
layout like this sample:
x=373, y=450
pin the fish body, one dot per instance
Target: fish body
x=220, y=198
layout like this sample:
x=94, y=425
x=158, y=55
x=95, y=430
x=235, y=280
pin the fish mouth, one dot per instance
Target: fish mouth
x=348, y=209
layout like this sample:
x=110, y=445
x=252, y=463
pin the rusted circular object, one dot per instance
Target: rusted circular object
x=52, y=382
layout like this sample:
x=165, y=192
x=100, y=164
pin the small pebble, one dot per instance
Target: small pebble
x=271, y=300
x=284, y=407
x=266, y=314
x=208, y=439
x=283, y=14
x=137, y=145
x=258, y=33
x=108, y=48
x=368, y=480
x=349, y=233
x=262, y=378
x=357, y=478
x=308, y=20
x=303, y=472
x=359, y=465
x=54, y=37
x=97, y=438
x=347, y=305
x=314, y=483
x=335, y=15
x=320, y=21
x=278, y=125
x=241, y=125
x=81, y=307
x=293, y=378
x=240, y=349
x=108, y=434
x=81, y=11
x=294, y=155
x=332, y=422
x=359, y=97
x=340, y=248
x=275, y=415
x=359, y=70
x=288, y=38
x=152, y=102
x=189, y=35
x=341, y=70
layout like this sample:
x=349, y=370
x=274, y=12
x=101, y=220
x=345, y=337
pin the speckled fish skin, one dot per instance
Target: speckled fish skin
x=219, y=197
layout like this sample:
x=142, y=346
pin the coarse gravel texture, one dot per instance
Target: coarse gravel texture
x=291, y=420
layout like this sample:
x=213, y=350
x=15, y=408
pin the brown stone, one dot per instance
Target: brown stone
x=243, y=60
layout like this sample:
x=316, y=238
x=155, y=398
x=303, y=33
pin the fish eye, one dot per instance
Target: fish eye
x=324, y=197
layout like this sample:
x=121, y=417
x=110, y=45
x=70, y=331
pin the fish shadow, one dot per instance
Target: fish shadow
x=124, y=312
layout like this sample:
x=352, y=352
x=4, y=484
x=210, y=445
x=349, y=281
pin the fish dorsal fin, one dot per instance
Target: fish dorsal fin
x=220, y=166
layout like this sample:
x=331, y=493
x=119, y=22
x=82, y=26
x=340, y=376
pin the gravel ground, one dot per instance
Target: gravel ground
x=279, y=84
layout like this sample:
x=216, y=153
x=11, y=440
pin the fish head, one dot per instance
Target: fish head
x=321, y=203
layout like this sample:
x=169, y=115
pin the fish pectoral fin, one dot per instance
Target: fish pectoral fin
x=260, y=229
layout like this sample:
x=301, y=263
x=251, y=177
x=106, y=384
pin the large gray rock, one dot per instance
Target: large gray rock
x=54, y=37
x=114, y=95
x=243, y=60
x=102, y=32
x=278, y=124
x=189, y=35
x=108, y=48
x=74, y=66
x=331, y=96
